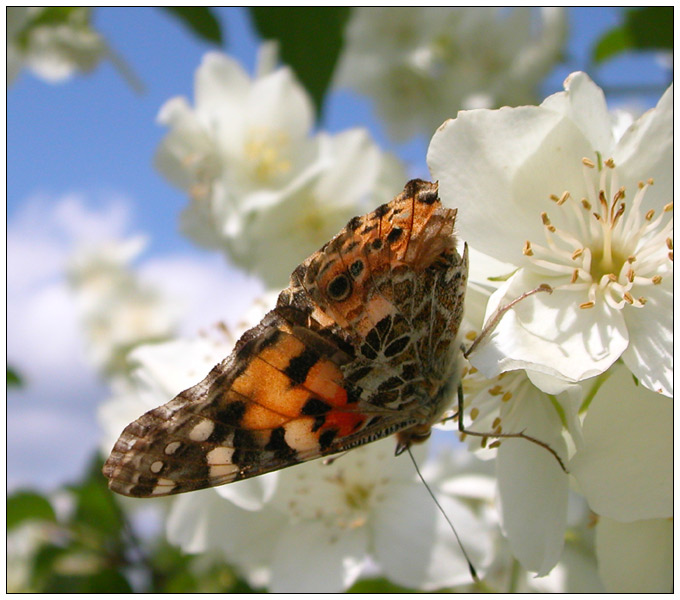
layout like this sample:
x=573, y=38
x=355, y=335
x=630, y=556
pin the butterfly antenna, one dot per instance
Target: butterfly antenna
x=473, y=571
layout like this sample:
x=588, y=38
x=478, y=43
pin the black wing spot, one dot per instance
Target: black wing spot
x=397, y=346
x=315, y=406
x=394, y=235
x=326, y=438
x=278, y=445
x=299, y=366
x=356, y=268
x=381, y=211
x=231, y=414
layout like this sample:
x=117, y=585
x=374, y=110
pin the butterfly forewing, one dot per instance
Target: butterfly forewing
x=361, y=345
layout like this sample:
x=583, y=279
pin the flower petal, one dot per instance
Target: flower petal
x=635, y=557
x=646, y=150
x=533, y=488
x=650, y=352
x=625, y=469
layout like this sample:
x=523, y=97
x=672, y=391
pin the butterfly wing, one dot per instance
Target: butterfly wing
x=278, y=400
x=350, y=354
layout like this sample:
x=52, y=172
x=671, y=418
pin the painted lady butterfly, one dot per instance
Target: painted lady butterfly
x=362, y=344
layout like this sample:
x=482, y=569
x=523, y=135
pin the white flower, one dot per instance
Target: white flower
x=325, y=525
x=53, y=42
x=419, y=64
x=603, y=207
x=117, y=310
x=263, y=189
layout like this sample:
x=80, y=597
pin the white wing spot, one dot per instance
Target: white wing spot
x=220, y=463
x=163, y=486
x=156, y=466
x=299, y=435
x=202, y=430
x=171, y=448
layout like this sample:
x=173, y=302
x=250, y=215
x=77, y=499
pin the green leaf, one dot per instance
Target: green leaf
x=13, y=378
x=199, y=20
x=378, y=586
x=96, y=508
x=25, y=506
x=310, y=40
x=649, y=28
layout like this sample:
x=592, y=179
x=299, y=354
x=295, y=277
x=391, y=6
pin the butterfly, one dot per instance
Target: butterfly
x=364, y=343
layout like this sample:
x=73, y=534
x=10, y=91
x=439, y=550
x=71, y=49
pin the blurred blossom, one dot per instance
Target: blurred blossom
x=604, y=208
x=263, y=188
x=118, y=311
x=52, y=42
x=421, y=66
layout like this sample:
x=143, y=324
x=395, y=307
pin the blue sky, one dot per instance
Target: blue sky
x=79, y=163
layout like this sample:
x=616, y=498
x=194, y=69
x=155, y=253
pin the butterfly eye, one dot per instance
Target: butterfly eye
x=339, y=288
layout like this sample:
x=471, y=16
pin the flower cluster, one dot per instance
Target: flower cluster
x=420, y=66
x=261, y=184
x=586, y=369
x=53, y=42
x=118, y=311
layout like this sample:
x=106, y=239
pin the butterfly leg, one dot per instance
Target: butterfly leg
x=490, y=325
x=498, y=435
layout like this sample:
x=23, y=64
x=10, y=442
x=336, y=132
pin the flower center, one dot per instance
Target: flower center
x=265, y=150
x=604, y=248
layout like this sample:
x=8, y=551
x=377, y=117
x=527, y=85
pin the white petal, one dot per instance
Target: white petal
x=550, y=334
x=625, y=469
x=483, y=160
x=251, y=494
x=583, y=102
x=635, y=557
x=220, y=84
x=650, y=351
x=310, y=558
x=414, y=545
x=646, y=150
x=533, y=488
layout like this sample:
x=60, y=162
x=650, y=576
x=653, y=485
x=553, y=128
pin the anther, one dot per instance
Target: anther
x=656, y=280
x=574, y=276
x=527, y=251
x=546, y=222
x=588, y=304
x=578, y=252
x=650, y=214
x=628, y=298
x=474, y=413
x=588, y=163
